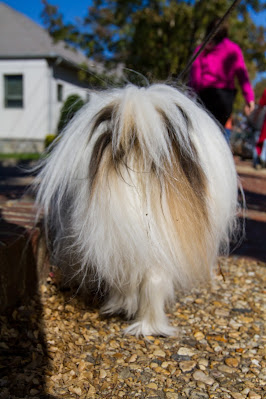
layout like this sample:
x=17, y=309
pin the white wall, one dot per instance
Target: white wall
x=31, y=121
x=40, y=113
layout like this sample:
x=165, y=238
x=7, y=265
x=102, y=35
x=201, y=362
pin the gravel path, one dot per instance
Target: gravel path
x=60, y=348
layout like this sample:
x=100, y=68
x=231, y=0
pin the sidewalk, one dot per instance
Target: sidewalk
x=254, y=185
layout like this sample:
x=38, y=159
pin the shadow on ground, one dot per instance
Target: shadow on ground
x=23, y=351
x=253, y=245
x=255, y=201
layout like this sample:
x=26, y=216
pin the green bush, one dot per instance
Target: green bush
x=72, y=105
x=49, y=139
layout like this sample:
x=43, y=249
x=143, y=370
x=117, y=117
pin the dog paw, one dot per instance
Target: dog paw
x=110, y=309
x=120, y=305
x=143, y=328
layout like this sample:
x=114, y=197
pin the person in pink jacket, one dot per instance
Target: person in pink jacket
x=213, y=74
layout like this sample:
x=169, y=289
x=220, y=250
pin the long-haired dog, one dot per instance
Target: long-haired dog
x=140, y=193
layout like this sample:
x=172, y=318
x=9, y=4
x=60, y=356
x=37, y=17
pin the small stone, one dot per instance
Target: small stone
x=198, y=395
x=103, y=374
x=254, y=395
x=159, y=353
x=202, y=377
x=203, y=362
x=75, y=390
x=187, y=366
x=232, y=362
x=218, y=338
x=43, y=289
x=220, y=312
x=125, y=373
x=199, y=335
x=262, y=375
x=185, y=352
x=247, y=319
x=226, y=369
x=133, y=358
x=237, y=395
x=172, y=395
x=34, y=391
x=199, y=300
x=82, y=366
x=150, y=338
x=256, y=362
x=152, y=385
x=158, y=369
x=92, y=391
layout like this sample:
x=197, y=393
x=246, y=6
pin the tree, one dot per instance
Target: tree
x=157, y=37
x=259, y=88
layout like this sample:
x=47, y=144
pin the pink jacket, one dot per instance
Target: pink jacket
x=218, y=66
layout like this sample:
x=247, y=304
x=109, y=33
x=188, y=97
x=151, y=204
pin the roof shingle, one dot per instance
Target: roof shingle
x=23, y=38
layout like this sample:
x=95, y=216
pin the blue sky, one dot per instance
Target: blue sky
x=76, y=8
x=33, y=8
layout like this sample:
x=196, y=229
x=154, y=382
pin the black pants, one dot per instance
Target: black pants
x=219, y=102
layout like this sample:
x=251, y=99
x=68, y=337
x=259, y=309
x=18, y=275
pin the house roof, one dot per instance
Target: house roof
x=23, y=38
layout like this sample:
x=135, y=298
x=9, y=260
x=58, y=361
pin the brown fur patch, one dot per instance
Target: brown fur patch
x=103, y=141
x=183, y=184
x=186, y=190
x=105, y=115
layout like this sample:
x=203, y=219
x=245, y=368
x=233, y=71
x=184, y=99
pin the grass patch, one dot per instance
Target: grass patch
x=21, y=157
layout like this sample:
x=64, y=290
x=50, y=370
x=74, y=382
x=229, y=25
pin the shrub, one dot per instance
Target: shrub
x=49, y=139
x=72, y=105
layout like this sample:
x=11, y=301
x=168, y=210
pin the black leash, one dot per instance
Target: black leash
x=207, y=40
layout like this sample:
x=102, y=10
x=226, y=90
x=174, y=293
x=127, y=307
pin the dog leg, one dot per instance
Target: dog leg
x=155, y=292
x=121, y=302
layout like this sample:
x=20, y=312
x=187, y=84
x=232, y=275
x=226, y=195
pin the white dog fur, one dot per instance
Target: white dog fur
x=140, y=193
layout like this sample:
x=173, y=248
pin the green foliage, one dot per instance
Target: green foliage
x=259, y=89
x=157, y=37
x=20, y=156
x=97, y=80
x=70, y=107
x=49, y=139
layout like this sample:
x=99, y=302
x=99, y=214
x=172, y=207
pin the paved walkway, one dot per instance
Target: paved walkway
x=254, y=185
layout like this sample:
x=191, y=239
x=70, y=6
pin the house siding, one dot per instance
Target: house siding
x=24, y=129
x=30, y=121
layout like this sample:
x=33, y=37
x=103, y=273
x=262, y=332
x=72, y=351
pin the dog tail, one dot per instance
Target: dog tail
x=143, y=177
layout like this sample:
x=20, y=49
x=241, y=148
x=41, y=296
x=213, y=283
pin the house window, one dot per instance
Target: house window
x=59, y=92
x=13, y=91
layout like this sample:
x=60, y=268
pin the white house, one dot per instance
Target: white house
x=36, y=76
